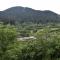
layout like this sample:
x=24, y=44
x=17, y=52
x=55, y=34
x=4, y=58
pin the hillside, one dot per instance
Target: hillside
x=19, y=14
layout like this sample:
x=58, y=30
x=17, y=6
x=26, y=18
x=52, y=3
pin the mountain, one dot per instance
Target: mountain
x=24, y=14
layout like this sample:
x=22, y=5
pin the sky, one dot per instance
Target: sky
x=53, y=5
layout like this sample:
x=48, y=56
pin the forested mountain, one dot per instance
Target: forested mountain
x=23, y=14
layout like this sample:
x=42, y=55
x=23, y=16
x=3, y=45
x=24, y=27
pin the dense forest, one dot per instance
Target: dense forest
x=16, y=15
x=28, y=34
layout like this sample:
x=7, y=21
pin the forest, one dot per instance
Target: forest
x=45, y=46
x=29, y=34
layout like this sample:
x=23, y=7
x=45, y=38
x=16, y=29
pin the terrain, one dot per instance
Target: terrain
x=28, y=34
x=16, y=15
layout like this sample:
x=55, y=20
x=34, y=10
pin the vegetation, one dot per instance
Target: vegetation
x=28, y=34
x=18, y=15
x=7, y=37
x=46, y=46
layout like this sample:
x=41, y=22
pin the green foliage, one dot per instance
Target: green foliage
x=46, y=46
x=7, y=37
x=38, y=49
x=18, y=15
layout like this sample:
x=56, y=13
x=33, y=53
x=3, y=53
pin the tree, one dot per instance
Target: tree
x=7, y=37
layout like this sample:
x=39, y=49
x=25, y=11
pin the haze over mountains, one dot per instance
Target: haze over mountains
x=19, y=14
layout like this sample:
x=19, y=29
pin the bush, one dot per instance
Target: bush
x=45, y=47
x=7, y=37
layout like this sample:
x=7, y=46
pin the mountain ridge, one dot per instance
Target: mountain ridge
x=24, y=14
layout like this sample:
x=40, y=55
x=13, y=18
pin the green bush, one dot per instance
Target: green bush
x=7, y=37
x=45, y=47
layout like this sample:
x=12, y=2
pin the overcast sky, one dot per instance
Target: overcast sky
x=53, y=5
